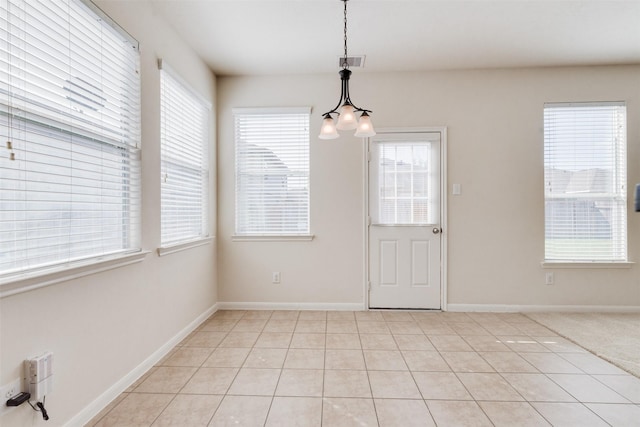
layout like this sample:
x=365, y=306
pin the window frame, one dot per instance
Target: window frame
x=199, y=102
x=274, y=235
x=618, y=198
x=45, y=122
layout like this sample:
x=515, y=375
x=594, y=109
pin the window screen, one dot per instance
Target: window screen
x=585, y=182
x=272, y=171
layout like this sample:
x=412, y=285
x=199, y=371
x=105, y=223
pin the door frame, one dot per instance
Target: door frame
x=443, y=207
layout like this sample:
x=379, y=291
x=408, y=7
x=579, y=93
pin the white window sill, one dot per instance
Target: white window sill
x=564, y=264
x=170, y=249
x=30, y=281
x=292, y=238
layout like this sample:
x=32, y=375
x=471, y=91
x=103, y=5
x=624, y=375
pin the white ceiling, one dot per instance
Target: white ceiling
x=249, y=37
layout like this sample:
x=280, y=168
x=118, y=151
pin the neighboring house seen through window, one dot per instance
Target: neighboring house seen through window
x=585, y=182
x=272, y=171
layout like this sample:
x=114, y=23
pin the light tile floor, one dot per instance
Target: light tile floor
x=376, y=368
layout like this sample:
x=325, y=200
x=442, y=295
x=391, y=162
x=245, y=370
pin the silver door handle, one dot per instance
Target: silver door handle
x=436, y=230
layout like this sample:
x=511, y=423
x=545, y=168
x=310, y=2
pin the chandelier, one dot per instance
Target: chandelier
x=347, y=119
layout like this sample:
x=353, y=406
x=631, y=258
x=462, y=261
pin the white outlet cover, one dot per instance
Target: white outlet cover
x=548, y=278
x=7, y=391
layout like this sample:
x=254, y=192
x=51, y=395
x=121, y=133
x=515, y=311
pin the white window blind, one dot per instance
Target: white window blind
x=70, y=111
x=272, y=171
x=184, y=136
x=405, y=188
x=585, y=182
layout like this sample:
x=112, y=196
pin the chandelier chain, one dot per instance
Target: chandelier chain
x=345, y=63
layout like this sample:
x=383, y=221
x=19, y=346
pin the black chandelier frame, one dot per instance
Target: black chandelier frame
x=345, y=74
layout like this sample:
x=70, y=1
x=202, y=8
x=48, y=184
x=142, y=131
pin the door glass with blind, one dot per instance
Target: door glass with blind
x=404, y=209
x=272, y=171
x=70, y=109
x=585, y=182
x=406, y=193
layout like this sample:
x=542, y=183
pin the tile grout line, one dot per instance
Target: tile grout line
x=501, y=376
x=266, y=417
x=551, y=379
x=561, y=355
x=234, y=377
x=366, y=367
x=462, y=382
x=424, y=401
x=324, y=370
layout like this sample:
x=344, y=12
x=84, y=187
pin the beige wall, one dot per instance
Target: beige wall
x=495, y=151
x=101, y=327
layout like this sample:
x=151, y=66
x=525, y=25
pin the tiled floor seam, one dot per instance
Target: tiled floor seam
x=281, y=369
x=201, y=365
x=551, y=379
x=465, y=386
x=416, y=384
x=226, y=393
x=525, y=400
x=581, y=402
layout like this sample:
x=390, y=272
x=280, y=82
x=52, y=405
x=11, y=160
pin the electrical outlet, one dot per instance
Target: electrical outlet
x=275, y=278
x=7, y=391
x=548, y=278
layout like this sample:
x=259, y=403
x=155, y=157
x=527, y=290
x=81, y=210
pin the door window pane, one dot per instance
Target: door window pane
x=403, y=183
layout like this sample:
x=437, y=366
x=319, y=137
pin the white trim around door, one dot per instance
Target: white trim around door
x=443, y=208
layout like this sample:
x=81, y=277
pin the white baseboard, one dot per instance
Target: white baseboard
x=500, y=308
x=291, y=306
x=114, y=391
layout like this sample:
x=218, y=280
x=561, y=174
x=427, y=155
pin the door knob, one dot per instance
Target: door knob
x=436, y=230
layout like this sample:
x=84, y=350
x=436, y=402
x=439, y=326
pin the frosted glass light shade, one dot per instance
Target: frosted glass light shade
x=328, y=129
x=347, y=119
x=365, y=127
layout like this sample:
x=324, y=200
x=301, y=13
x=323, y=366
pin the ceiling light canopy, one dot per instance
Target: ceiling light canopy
x=347, y=116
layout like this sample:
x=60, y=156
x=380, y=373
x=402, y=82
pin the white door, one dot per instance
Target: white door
x=404, y=226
